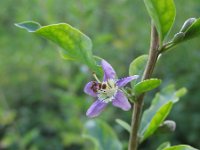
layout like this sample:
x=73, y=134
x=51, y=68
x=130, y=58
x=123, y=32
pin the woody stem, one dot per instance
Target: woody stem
x=138, y=105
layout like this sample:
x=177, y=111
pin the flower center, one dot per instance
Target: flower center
x=106, y=90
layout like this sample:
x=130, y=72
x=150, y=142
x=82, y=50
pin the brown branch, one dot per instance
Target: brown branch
x=138, y=105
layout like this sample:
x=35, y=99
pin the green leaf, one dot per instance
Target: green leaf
x=94, y=142
x=158, y=111
x=75, y=45
x=189, y=30
x=102, y=135
x=30, y=26
x=124, y=124
x=163, y=145
x=137, y=67
x=157, y=119
x=146, y=85
x=167, y=126
x=187, y=24
x=180, y=147
x=178, y=37
x=181, y=92
x=193, y=31
x=163, y=14
x=69, y=137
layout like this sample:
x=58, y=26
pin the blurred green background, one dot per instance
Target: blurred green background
x=42, y=104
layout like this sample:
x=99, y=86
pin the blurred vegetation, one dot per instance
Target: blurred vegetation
x=42, y=104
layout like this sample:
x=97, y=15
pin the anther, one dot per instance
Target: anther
x=103, y=86
x=100, y=85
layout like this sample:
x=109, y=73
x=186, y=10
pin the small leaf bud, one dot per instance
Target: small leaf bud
x=187, y=24
x=178, y=37
x=167, y=126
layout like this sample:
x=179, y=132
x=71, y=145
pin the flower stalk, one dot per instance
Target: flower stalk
x=138, y=105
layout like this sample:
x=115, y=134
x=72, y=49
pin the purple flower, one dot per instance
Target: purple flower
x=107, y=91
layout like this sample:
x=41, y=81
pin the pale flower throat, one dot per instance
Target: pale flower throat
x=105, y=90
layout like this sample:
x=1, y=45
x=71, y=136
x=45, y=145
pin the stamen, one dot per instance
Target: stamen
x=94, y=87
x=109, y=84
x=104, y=100
x=95, y=76
x=104, y=86
x=99, y=85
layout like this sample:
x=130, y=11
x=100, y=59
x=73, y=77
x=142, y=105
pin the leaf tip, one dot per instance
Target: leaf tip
x=181, y=92
x=30, y=26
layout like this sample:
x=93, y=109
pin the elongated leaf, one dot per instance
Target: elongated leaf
x=166, y=96
x=124, y=124
x=137, y=67
x=146, y=85
x=30, y=26
x=75, y=45
x=181, y=92
x=180, y=147
x=102, y=135
x=163, y=145
x=163, y=14
x=157, y=119
x=189, y=30
x=193, y=31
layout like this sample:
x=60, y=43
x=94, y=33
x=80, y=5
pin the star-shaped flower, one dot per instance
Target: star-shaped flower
x=107, y=91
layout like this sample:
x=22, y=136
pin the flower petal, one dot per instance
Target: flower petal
x=121, y=101
x=109, y=72
x=88, y=90
x=122, y=82
x=96, y=108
